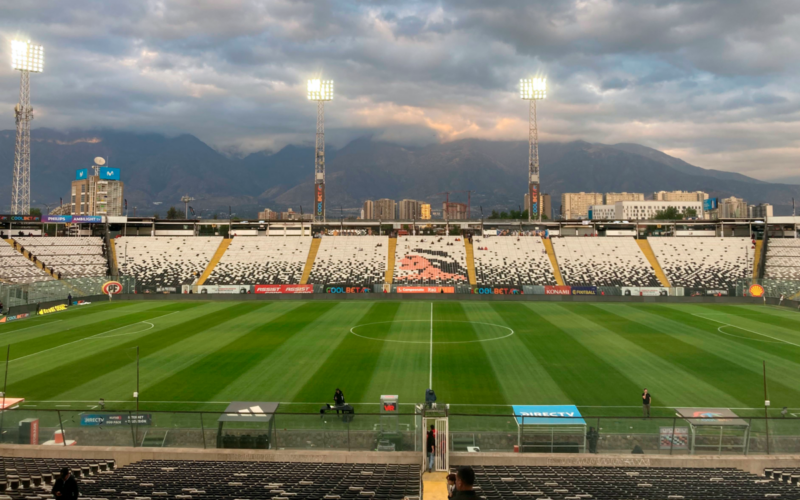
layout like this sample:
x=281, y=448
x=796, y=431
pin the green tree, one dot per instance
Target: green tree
x=35, y=211
x=669, y=213
x=173, y=213
x=690, y=213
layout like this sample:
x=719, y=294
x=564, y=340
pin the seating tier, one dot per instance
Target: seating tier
x=165, y=260
x=607, y=261
x=708, y=263
x=351, y=261
x=260, y=260
x=511, y=260
x=430, y=260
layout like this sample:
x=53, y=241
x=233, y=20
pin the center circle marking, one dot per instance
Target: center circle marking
x=510, y=332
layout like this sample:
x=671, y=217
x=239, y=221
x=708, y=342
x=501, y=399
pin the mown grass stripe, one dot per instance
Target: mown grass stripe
x=461, y=372
x=786, y=329
x=223, y=366
x=339, y=370
x=71, y=313
x=565, y=359
x=50, y=383
x=703, y=365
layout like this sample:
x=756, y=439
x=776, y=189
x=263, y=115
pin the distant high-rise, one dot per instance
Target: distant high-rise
x=680, y=196
x=368, y=210
x=98, y=194
x=410, y=209
x=425, y=211
x=760, y=211
x=454, y=211
x=385, y=209
x=268, y=214
x=576, y=205
x=612, y=198
x=733, y=208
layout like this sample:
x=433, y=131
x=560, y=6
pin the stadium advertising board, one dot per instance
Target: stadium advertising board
x=112, y=287
x=679, y=440
x=97, y=419
x=284, y=289
x=756, y=291
x=710, y=204
x=81, y=174
x=20, y=218
x=508, y=290
x=57, y=219
x=347, y=289
x=109, y=174
x=425, y=289
x=534, y=200
x=87, y=219
x=548, y=415
x=584, y=290
x=717, y=292
x=51, y=310
x=240, y=289
x=645, y=291
x=8, y=319
x=557, y=290
x=319, y=198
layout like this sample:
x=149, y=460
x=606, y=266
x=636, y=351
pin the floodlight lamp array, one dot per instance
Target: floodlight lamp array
x=320, y=90
x=533, y=88
x=27, y=57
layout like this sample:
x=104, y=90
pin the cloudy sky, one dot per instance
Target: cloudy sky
x=711, y=81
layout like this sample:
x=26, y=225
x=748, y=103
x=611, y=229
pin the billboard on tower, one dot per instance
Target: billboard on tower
x=110, y=174
x=81, y=174
x=319, y=200
x=534, y=208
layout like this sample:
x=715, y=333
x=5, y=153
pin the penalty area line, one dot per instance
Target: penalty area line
x=744, y=329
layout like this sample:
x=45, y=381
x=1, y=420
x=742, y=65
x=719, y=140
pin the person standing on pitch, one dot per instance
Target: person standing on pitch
x=69, y=299
x=430, y=447
x=646, y=403
x=338, y=399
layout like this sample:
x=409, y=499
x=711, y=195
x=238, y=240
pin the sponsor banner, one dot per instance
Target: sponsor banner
x=207, y=289
x=534, y=197
x=558, y=290
x=20, y=218
x=756, y=291
x=87, y=219
x=509, y=290
x=677, y=441
x=717, y=292
x=165, y=289
x=57, y=219
x=548, y=415
x=109, y=174
x=425, y=289
x=710, y=204
x=9, y=319
x=51, y=310
x=81, y=174
x=319, y=199
x=240, y=289
x=347, y=289
x=284, y=289
x=95, y=419
x=645, y=291
x=83, y=303
x=112, y=287
x=584, y=290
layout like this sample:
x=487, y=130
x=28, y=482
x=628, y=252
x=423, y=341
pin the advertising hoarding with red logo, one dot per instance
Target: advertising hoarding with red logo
x=284, y=289
x=558, y=290
x=426, y=289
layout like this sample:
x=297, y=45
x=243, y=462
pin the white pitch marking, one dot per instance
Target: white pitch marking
x=29, y=327
x=745, y=329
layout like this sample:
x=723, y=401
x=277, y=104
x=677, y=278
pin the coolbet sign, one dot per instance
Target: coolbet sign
x=112, y=287
x=498, y=291
x=347, y=289
x=320, y=199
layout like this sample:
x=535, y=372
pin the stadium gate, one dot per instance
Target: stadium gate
x=436, y=416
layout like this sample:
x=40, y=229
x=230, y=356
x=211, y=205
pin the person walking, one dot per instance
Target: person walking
x=66, y=487
x=465, y=480
x=592, y=437
x=338, y=399
x=430, y=447
x=646, y=403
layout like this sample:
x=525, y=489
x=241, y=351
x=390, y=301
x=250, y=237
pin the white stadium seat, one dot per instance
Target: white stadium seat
x=262, y=260
x=704, y=262
x=165, y=260
x=606, y=261
x=511, y=260
x=351, y=261
x=783, y=259
x=73, y=257
x=430, y=260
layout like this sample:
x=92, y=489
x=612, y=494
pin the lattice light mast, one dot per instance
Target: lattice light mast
x=532, y=90
x=27, y=59
x=320, y=91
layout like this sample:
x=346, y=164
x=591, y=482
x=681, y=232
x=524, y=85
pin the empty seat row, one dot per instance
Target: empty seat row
x=609, y=261
x=512, y=260
x=351, y=261
x=254, y=260
x=430, y=260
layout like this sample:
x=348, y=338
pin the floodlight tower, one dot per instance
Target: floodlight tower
x=186, y=199
x=27, y=59
x=320, y=91
x=533, y=89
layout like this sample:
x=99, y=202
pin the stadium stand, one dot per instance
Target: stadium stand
x=165, y=260
x=783, y=259
x=351, y=261
x=704, y=262
x=72, y=257
x=612, y=483
x=254, y=260
x=29, y=477
x=430, y=260
x=176, y=479
x=786, y=475
x=608, y=261
x=14, y=268
x=508, y=260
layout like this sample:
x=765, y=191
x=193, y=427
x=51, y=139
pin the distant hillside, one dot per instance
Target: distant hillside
x=159, y=169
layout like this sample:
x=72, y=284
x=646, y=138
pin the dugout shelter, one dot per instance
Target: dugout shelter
x=249, y=425
x=715, y=430
x=550, y=429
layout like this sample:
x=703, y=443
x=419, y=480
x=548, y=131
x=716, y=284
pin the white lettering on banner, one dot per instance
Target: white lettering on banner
x=548, y=414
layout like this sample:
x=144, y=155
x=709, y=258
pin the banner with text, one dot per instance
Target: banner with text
x=645, y=291
x=558, y=290
x=584, y=290
x=425, y=289
x=284, y=289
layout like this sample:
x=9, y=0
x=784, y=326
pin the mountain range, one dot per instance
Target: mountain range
x=158, y=170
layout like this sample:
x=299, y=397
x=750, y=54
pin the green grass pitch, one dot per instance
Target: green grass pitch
x=482, y=356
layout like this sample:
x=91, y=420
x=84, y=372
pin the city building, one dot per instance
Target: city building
x=733, y=208
x=268, y=214
x=368, y=210
x=641, y=210
x=292, y=215
x=98, y=194
x=680, y=196
x=385, y=209
x=410, y=209
x=611, y=198
x=760, y=211
x=425, y=211
x=454, y=211
x=546, y=207
x=576, y=205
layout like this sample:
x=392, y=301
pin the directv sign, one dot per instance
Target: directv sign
x=81, y=174
x=109, y=174
x=548, y=415
x=710, y=204
x=115, y=419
